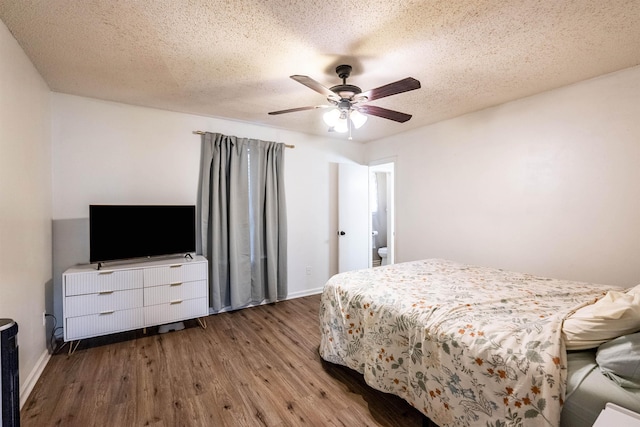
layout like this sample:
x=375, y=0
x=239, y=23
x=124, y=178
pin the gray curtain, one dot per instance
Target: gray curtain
x=243, y=220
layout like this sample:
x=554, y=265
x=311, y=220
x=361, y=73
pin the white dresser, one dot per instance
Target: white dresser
x=132, y=296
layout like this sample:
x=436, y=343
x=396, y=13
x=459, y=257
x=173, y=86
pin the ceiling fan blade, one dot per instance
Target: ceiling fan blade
x=312, y=84
x=400, y=86
x=373, y=110
x=293, y=110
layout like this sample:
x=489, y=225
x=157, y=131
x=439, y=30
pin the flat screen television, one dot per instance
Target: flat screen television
x=121, y=232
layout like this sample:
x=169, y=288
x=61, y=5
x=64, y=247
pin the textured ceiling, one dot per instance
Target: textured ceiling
x=232, y=59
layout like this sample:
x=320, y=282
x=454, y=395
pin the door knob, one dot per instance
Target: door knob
x=341, y=233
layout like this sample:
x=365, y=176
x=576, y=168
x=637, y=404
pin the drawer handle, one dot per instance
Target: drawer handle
x=175, y=266
x=102, y=273
x=175, y=284
x=107, y=312
x=105, y=292
x=176, y=301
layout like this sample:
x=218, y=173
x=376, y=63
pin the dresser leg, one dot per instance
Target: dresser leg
x=72, y=348
x=203, y=322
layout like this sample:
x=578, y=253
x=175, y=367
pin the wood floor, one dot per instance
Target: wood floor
x=253, y=367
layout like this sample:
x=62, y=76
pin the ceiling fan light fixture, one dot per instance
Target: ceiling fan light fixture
x=357, y=118
x=338, y=119
x=341, y=125
x=331, y=117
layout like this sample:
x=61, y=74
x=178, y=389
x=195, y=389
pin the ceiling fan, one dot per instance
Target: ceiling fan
x=347, y=102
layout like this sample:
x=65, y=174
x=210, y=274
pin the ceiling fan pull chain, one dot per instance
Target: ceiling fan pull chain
x=349, y=123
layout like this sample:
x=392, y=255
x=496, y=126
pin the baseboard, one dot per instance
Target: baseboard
x=294, y=295
x=305, y=293
x=32, y=379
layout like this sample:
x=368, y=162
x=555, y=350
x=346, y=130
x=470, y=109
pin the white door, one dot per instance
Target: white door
x=354, y=237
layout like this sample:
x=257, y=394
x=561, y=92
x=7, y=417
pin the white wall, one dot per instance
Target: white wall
x=549, y=184
x=105, y=152
x=25, y=203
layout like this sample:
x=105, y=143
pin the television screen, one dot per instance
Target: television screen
x=118, y=232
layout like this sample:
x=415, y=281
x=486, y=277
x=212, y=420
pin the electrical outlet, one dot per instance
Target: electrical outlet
x=44, y=318
x=308, y=270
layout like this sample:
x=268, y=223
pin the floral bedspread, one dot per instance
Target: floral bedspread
x=465, y=345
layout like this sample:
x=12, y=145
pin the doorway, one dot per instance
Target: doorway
x=366, y=215
x=381, y=213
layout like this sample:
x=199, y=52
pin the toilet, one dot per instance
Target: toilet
x=383, y=254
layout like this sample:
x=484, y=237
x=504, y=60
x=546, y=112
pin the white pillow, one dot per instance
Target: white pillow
x=615, y=314
x=634, y=290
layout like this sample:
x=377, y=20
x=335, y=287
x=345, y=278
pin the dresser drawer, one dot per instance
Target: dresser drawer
x=176, y=273
x=82, y=305
x=102, y=281
x=99, y=324
x=179, y=291
x=176, y=311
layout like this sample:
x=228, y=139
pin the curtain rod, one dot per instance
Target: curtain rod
x=199, y=132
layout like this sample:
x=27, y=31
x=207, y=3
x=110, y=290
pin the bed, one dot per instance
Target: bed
x=466, y=345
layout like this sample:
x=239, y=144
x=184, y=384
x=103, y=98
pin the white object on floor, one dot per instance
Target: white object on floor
x=614, y=415
x=177, y=326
